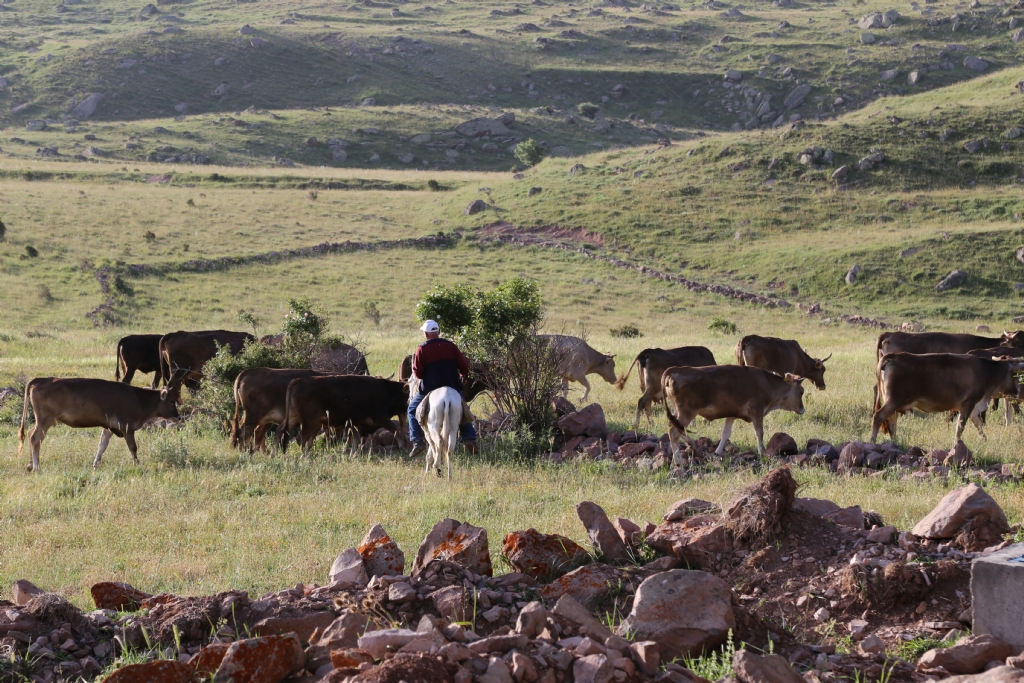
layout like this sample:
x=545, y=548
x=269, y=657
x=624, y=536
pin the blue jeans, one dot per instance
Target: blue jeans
x=466, y=431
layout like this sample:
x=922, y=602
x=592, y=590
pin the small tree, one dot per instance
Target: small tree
x=499, y=331
x=587, y=110
x=251, y=319
x=529, y=152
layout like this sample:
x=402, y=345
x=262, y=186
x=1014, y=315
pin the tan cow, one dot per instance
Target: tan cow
x=118, y=408
x=937, y=383
x=730, y=392
x=578, y=360
x=653, y=363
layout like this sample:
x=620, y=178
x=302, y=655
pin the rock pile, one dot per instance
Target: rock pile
x=767, y=556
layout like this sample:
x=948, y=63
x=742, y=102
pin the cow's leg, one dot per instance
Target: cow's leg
x=1008, y=409
x=886, y=415
x=129, y=373
x=726, y=431
x=259, y=438
x=402, y=435
x=644, y=405
x=674, y=435
x=974, y=413
x=586, y=389
x=35, y=442
x=758, y=421
x=104, y=442
x=155, y=384
x=129, y=438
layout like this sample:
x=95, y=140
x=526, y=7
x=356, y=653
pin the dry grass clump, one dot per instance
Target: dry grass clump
x=757, y=515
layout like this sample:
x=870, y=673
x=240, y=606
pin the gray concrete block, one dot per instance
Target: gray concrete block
x=997, y=595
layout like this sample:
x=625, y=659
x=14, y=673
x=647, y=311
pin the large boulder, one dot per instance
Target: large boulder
x=754, y=668
x=408, y=667
x=968, y=510
x=975, y=64
x=815, y=506
x=117, y=596
x=475, y=128
x=381, y=555
x=24, y=590
x=999, y=674
x=968, y=656
x=954, y=279
x=303, y=626
x=542, y=556
x=602, y=532
x=587, y=421
x=685, y=612
x=781, y=444
x=797, y=97
x=456, y=542
x=87, y=107
x=873, y=20
x=377, y=643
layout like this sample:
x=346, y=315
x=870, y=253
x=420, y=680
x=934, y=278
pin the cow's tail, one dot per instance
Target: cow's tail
x=885, y=427
x=882, y=338
x=24, y=416
x=739, y=351
x=117, y=363
x=236, y=427
x=621, y=383
x=165, y=369
x=671, y=418
x=283, y=428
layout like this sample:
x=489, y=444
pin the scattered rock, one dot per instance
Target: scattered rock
x=602, y=532
x=381, y=555
x=586, y=585
x=968, y=656
x=852, y=273
x=457, y=542
x=475, y=128
x=348, y=569
x=475, y=207
x=685, y=612
x=969, y=511
x=781, y=444
x=753, y=668
x=24, y=590
x=154, y=672
x=954, y=279
x=797, y=96
x=587, y=421
x=542, y=556
x=975, y=64
x=117, y=596
x=87, y=107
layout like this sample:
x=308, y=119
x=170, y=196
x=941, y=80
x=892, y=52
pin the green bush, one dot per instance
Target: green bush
x=587, y=110
x=31, y=251
x=529, y=152
x=722, y=326
x=479, y=319
x=627, y=331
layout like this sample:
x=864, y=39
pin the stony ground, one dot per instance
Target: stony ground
x=833, y=592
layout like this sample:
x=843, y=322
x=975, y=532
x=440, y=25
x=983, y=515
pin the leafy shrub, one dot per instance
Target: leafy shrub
x=434, y=185
x=587, y=110
x=627, y=331
x=715, y=664
x=722, y=326
x=44, y=294
x=529, y=152
x=372, y=312
x=31, y=251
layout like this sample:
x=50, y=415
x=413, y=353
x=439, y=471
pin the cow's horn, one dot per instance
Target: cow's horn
x=825, y=359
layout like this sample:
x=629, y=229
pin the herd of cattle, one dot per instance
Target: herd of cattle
x=930, y=372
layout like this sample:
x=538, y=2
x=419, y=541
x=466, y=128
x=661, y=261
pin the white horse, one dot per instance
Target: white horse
x=444, y=413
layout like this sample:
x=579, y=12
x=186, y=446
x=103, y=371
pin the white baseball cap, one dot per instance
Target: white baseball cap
x=430, y=326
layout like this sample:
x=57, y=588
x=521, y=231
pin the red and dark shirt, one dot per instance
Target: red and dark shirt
x=439, y=363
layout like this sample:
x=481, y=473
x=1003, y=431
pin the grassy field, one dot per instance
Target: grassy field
x=197, y=517
x=664, y=185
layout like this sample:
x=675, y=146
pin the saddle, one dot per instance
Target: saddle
x=423, y=407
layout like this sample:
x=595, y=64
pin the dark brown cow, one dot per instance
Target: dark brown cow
x=732, y=392
x=138, y=353
x=189, y=351
x=260, y=402
x=781, y=356
x=936, y=383
x=653, y=363
x=313, y=404
x=472, y=388
x=1012, y=405
x=941, y=342
x=118, y=408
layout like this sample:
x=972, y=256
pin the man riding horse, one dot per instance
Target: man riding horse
x=437, y=363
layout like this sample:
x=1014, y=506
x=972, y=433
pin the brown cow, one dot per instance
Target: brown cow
x=138, y=353
x=259, y=402
x=653, y=363
x=314, y=404
x=781, y=356
x=939, y=382
x=733, y=392
x=1012, y=405
x=118, y=408
x=941, y=342
x=189, y=351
